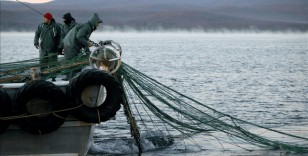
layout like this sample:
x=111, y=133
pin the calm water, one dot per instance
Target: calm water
x=260, y=78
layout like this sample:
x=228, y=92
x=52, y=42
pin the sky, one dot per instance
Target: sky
x=33, y=1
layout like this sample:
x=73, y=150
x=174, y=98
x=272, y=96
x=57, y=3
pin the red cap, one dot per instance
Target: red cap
x=48, y=16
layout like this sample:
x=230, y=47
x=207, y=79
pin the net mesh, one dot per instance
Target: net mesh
x=168, y=109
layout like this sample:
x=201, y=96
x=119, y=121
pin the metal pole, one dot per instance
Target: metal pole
x=130, y=118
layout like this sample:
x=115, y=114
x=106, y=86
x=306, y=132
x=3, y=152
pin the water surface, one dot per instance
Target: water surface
x=260, y=78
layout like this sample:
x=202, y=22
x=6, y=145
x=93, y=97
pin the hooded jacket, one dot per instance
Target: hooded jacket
x=78, y=37
x=49, y=36
x=65, y=29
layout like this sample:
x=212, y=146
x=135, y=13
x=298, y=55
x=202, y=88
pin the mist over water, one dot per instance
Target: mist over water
x=260, y=77
x=105, y=28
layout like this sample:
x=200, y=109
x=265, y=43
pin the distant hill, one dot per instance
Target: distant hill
x=150, y=15
x=278, y=12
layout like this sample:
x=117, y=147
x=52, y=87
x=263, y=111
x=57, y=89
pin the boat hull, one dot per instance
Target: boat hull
x=73, y=138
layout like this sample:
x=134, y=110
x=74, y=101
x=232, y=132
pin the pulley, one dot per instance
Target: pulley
x=107, y=56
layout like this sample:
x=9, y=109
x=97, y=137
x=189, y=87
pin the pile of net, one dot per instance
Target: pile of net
x=14, y=72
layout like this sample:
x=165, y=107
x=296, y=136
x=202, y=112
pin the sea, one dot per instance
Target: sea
x=259, y=77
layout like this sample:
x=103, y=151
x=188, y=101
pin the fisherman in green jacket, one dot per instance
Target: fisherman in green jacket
x=49, y=34
x=70, y=23
x=78, y=38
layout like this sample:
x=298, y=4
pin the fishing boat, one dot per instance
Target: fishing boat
x=41, y=117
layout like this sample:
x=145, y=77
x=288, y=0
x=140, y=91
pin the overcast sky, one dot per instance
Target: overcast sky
x=33, y=1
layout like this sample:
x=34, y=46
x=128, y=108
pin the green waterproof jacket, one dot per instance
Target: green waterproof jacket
x=78, y=37
x=49, y=36
x=65, y=29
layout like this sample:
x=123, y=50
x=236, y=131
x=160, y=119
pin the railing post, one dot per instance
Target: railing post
x=35, y=73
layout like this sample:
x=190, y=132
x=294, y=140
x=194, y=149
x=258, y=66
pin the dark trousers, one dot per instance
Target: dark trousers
x=69, y=54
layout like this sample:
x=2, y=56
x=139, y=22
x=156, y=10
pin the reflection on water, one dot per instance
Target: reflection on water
x=260, y=78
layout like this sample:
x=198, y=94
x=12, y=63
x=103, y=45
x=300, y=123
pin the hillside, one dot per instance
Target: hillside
x=141, y=14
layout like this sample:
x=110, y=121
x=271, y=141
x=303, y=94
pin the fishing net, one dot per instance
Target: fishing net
x=170, y=110
x=20, y=71
x=158, y=108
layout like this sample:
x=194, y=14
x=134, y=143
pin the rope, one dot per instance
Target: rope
x=29, y=7
x=25, y=116
x=63, y=117
x=99, y=117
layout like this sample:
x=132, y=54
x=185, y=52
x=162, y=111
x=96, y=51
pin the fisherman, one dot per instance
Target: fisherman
x=78, y=38
x=70, y=23
x=49, y=33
